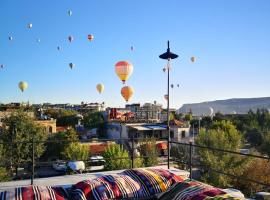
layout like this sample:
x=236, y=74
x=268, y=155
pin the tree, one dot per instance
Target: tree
x=63, y=117
x=265, y=147
x=58, y=142
x=76, y=152
x=181, y=154
x=95, y=120
x=149, y=152
x=257, y=170
x=222, y=135
x=4, y=175
x=188, y=117
x=19, y=132
x=254, y=137
x=116, y=157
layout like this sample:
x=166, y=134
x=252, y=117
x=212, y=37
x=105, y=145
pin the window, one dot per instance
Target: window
x=50, y=129
x=172, y=134
x=183, y=134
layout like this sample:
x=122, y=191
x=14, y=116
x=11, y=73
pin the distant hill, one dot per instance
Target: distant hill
x=229, y=106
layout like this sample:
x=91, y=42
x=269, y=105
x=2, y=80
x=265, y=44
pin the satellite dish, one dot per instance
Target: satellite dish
x=211, y=112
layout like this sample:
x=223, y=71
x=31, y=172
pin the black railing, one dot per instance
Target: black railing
x=189, y=157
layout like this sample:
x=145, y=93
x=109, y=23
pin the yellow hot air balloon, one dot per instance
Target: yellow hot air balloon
x=123, y=70
x=193, y=59
x=127, y=92
x=23, y=85
x=100, y=88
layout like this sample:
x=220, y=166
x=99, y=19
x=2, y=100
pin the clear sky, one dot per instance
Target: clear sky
x=230, y=38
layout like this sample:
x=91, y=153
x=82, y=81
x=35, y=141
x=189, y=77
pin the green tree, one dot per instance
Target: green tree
x=76, y=152
x=63, y=117
x=222, y=135
x=188, y=117
x=95, y=120
x=19, y=131
x=181, y=155
x=116, y=157
x=149, y=152
x=265, y=147
x=58, y=142
x=4, y=175
x=254, y=137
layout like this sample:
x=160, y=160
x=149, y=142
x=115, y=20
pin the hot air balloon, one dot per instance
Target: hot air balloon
x=30, y=25
x=2, y=66
x=70, y=38
x=58, y=48
x=193, y=59
x=123, y=70
x=90, y=37
x=172, y=86
x=69, y=12
x=10, y=38
x=166, y=97
x=164, y=69
x=23, y=85
x=132, y=48
x=127, y=92
x=71, y=65
x=178, y=85
x=100, y=88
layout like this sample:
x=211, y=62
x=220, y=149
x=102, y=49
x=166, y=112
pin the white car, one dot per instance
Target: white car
x=76, y=165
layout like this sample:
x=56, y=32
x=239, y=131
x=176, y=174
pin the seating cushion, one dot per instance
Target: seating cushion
x=135, y=183
x=35, y=192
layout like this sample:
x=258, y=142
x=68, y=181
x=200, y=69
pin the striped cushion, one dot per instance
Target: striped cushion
x=35, y=193
x=137, y=183
x=107, y=187
x=153, y=181
x=193, y=190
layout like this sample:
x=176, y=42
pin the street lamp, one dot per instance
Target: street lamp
x=168, y=56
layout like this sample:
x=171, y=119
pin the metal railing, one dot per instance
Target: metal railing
x=189, y=161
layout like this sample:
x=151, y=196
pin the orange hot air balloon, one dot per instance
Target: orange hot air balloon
x=127, y=92
x=123, y=70
x=90, y=37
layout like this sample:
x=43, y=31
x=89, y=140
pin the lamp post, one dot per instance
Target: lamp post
x=168, y=56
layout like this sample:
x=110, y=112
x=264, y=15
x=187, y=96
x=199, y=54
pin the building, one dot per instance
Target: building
x=49, y=125
x=180, y=130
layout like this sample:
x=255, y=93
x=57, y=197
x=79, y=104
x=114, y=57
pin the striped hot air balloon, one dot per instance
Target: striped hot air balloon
x=123, y=70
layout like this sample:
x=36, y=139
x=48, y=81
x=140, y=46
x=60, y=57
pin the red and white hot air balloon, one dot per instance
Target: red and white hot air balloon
x=123, y=69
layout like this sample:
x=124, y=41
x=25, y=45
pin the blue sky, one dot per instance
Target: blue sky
x=229, y=38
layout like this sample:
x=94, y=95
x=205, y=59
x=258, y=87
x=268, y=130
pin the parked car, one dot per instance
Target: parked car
x=59, y=165
x=76, y=166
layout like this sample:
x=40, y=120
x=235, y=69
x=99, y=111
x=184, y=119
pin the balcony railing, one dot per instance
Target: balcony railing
x=190, y=158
